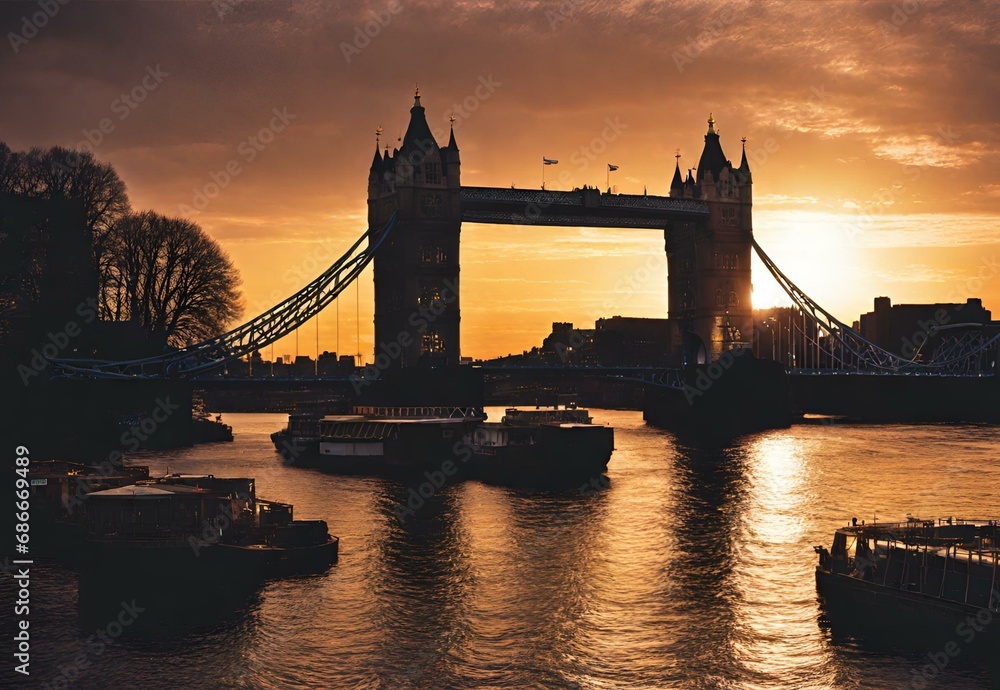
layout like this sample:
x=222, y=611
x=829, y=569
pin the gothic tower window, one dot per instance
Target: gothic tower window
x=734, y=301
x=727, y=261
x=432, y=173
x=431, y=343
x=431, y=205
x=720, y=299
x=432, y=254
x=430, y=297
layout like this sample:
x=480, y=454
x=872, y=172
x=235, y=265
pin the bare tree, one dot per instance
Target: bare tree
x=74, y=175
x=9, y=161
x=166, y=274
x=171, y=277
x=62, y=172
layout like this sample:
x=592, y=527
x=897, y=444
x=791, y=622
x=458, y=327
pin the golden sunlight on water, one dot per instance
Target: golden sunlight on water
x=685, y=568
x=778, y=625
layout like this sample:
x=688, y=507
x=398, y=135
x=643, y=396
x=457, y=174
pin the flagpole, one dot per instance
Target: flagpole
x=546, y=161
x=609, y=178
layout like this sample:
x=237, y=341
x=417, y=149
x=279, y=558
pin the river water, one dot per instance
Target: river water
x=686, y=569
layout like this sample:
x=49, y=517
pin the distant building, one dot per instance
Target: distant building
x=328, y=364
x=304, y=366
x=236, y=368
x=632, y=341
x=915, y=331
x=614, y=341
x=566, y=345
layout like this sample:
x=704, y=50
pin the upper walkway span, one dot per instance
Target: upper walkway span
x=586, y=207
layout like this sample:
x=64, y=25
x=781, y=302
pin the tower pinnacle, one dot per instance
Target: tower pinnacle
x=678, y=181
x=451, y=139
x=418, y=132
x=744, y=165
x=712, y=160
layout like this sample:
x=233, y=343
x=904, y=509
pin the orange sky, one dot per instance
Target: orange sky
x=872, y=136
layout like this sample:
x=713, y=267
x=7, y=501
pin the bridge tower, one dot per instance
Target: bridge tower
x=708, y=261
x=417, y=269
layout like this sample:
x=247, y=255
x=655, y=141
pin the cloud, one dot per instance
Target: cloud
x=925, y=150
x=918, y=273
x=841, y=98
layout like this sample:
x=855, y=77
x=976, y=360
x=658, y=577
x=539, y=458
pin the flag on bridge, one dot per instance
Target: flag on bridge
x=548, y=161
x=612, y=168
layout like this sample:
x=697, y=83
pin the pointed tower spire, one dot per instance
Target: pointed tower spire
x=678, y=181
x=418, y=132
x=377, y=160
x=451, y=140
x=713, y=160
x=744, y=165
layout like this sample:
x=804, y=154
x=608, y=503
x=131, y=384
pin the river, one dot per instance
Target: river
x=686, y=569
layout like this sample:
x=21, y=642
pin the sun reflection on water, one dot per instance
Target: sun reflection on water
x=776, y=583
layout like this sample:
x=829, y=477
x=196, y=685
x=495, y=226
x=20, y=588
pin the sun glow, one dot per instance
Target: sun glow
x=817, y=251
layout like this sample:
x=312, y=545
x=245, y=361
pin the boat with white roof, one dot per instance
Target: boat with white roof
x=376, y=439
x=543, y=446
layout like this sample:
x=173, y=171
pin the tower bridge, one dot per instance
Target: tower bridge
x=417, y=206
x=706, y=222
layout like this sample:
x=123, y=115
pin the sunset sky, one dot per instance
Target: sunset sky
x=872, y=130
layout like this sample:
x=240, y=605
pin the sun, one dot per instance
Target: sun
x=813, y=249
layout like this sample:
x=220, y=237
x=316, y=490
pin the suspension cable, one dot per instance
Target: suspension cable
x=275, y=323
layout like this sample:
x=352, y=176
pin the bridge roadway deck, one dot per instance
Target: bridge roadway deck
x=578, y=208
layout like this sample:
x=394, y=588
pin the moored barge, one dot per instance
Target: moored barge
x=200, y=528
x=376, y=439
x=923, y=579
x=541, y=446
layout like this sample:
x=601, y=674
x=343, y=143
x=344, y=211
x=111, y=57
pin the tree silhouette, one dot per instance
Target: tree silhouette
x=63, y=173
x=168, y=275
x=76, y=175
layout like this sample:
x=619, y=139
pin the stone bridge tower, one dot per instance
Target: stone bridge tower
x=417, y=268
x=708, y=261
